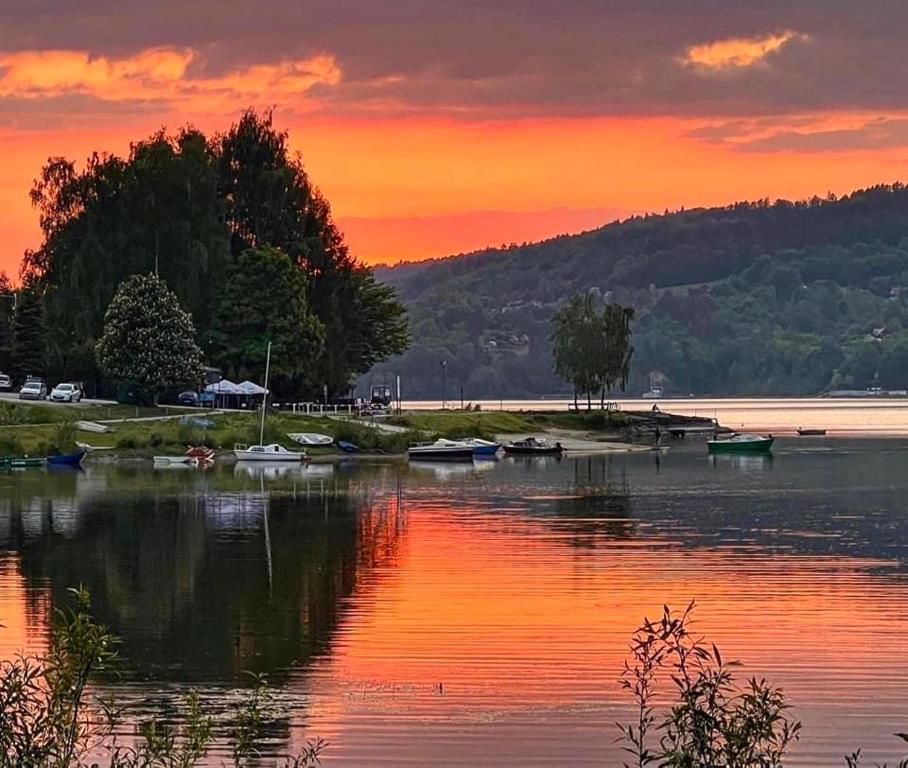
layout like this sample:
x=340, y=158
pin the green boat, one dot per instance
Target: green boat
x=20, y=462
x=742, y=444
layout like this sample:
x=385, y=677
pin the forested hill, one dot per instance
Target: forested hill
x=754, y=298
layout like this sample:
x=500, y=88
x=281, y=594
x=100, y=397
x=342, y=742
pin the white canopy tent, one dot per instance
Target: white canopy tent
x=224, y=387
x=250, y=388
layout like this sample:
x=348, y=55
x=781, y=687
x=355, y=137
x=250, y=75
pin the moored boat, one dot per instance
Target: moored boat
x=533, y=446
x=809, y=432
x=174, y=461
x=441, y=450
x=200, y=452
x=347, y=447
x=270, y=452
x=20, y=462
x=741, y=443
x=73, y=459
x=481, y=447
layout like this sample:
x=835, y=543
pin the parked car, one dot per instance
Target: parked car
x=5, y=382
x=33, y=389
x=188, y=398
x=67, y=392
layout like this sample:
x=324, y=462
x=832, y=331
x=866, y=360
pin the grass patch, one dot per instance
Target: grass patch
x=453, y=424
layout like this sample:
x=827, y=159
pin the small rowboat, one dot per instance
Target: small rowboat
x=807, y=432
x=200, y=452
x=20, y=462
x=442, y=450
x=533, y=447
x=73, y=459
x=347, y=447
x=176, y=461
x=738, y=443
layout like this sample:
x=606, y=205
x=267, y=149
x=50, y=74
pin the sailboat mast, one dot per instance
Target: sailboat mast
x=265, y=396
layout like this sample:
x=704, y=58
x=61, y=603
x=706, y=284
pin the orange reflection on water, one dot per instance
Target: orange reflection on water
x=492, y=628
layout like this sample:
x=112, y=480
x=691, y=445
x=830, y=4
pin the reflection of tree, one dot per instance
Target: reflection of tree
x=595, y=506
x=184, y=579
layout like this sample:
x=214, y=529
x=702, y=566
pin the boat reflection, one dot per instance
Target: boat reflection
x=282, y=470
x=742, y=462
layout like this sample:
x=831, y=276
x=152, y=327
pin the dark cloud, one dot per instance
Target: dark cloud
x=491, y=59
x=877, y=134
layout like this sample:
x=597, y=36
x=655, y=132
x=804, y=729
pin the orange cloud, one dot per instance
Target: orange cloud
x=737, y=52
x=161, y=74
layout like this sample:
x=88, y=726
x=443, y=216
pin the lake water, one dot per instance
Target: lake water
x=841, y=416
x=479, y=615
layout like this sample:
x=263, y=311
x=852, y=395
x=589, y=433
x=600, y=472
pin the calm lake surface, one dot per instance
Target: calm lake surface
x=450, y=615
x=841, y=416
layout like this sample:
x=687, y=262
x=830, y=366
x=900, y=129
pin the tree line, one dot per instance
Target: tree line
x=753, y=298
x=232, y=225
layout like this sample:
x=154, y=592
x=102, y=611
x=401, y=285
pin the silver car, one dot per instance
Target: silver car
x=33, y=389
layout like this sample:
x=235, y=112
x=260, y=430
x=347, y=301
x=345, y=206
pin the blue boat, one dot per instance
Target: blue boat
x=482, y=447
x=67, y=459
x=347, y=447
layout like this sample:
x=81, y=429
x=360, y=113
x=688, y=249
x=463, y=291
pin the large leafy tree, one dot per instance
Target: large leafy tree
x=28, y=355
x=265, y=298
x=270, y=200
x=186, y=207
x=149, y=340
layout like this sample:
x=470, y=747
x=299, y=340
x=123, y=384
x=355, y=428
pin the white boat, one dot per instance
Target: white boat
x=271, y=452
x=168, y=461
x=310, y=438
x=92, y=426
x=454, y=450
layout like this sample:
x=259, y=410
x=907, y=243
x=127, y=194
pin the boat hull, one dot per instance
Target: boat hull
x=289, y=457
x=532, y=450
x=20, y=462
x=486, y=450
x=741, y=446
x=66, y=459
x=441, y=454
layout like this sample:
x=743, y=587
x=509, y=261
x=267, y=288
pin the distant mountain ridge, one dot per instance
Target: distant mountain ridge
x=755, y=298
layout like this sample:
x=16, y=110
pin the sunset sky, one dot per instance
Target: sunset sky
x=436, y=127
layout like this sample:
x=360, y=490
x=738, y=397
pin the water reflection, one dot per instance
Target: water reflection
x=415, y=614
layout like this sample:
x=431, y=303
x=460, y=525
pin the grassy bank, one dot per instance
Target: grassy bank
x=487, y=424
x=23, y=435
x=41, y=429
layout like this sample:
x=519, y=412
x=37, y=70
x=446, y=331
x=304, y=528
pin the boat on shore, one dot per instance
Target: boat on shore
x=73, y=459
x=441, y=450
x=310, y=438
x=533, y=446
x=347, y=447
x=200, y=452
x=741, y=443
x=810, y=432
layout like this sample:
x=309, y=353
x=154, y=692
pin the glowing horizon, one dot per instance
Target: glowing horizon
x=426, y=148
